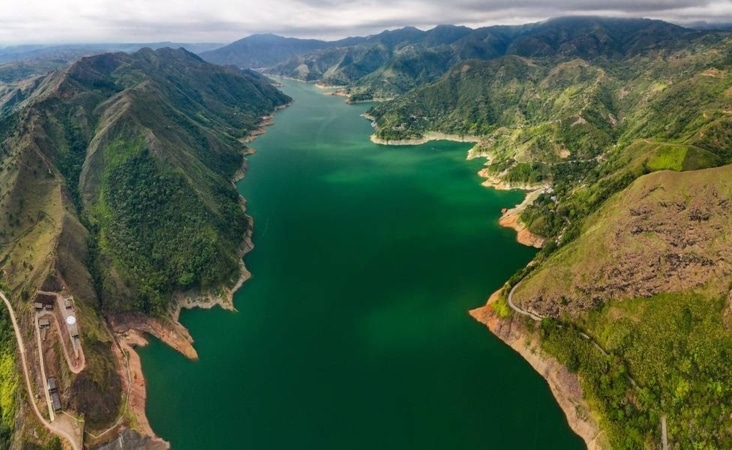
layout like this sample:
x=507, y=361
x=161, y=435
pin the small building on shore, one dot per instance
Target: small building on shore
x=56, y=400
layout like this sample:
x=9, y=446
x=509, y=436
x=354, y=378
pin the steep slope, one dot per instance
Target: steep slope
x=116, y=186
x=262, y=50
x=648, y=279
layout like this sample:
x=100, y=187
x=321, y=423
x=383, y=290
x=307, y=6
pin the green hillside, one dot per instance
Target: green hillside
x=115, y=181
x=648, y=278
x=629, y=123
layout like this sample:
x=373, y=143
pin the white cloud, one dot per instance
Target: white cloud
x=41, y=21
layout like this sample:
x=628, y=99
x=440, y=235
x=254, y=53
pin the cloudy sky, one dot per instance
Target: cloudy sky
x=64, y=21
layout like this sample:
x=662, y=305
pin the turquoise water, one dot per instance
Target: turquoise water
x=353, y=332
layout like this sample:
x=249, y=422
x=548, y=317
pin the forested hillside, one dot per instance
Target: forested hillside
x=630, y=130
x=115, y=183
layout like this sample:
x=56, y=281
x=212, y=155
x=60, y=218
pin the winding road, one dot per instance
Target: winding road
x=538, y=318
x=521, y=311
x=55, y=427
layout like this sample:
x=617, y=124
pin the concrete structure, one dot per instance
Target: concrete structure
x=56, y=400
x=52, y=386
x=38, y=306
x=71, y=325
x=69, y=302
x=44, y=323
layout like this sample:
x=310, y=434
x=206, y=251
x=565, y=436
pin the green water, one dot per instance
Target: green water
x=354, y=332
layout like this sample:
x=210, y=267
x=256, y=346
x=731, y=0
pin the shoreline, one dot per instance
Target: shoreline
x=428, y=137
x=511, y=217
x=565, y=386
x=342, y=91
x=130, y=328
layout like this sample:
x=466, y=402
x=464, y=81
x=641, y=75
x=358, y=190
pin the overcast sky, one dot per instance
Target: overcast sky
x=64, y=21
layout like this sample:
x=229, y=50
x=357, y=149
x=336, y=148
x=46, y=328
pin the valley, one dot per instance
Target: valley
x=605, y=143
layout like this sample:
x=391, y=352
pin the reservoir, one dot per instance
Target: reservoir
x=354, y=331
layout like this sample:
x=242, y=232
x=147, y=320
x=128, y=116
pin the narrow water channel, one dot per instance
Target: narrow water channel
x=354, y=332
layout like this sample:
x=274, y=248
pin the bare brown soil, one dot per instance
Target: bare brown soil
x=511, y=219
x=171, y=333
x=134, y=381
x=668, y=232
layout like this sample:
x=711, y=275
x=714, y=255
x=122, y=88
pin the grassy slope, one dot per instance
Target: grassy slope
x=648, y=277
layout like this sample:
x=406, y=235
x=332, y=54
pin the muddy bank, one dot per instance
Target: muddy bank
x=171, y=333
x=565, y=386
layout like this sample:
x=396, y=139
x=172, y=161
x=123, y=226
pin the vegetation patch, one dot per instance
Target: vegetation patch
x=8, y=379
x=667, y=355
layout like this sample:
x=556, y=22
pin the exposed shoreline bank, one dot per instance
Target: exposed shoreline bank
x=511, y=217
x=431, y=136
x=565, y=386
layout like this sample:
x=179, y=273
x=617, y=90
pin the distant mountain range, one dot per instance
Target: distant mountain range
x=22, y=52
x=23, y=61
x=115, y=180
x=393, y=62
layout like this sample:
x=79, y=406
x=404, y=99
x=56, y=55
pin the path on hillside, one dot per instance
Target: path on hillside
x=538, y=318
x=521, y=311
x=56, y=428
x=63, y=341
x=73, y=368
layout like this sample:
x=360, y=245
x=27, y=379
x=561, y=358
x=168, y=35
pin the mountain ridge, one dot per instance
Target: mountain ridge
x=116, y=189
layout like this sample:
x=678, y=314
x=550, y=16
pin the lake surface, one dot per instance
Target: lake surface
x=354, y=331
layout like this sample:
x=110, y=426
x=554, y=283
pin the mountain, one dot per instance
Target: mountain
x=381, y=65
x=394, y=62
x=75, y=51
x=261, y=50
x=542, y=119
x=23, y=61
x=116, y=185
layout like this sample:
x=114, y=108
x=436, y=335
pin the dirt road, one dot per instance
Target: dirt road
x=59, y=428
